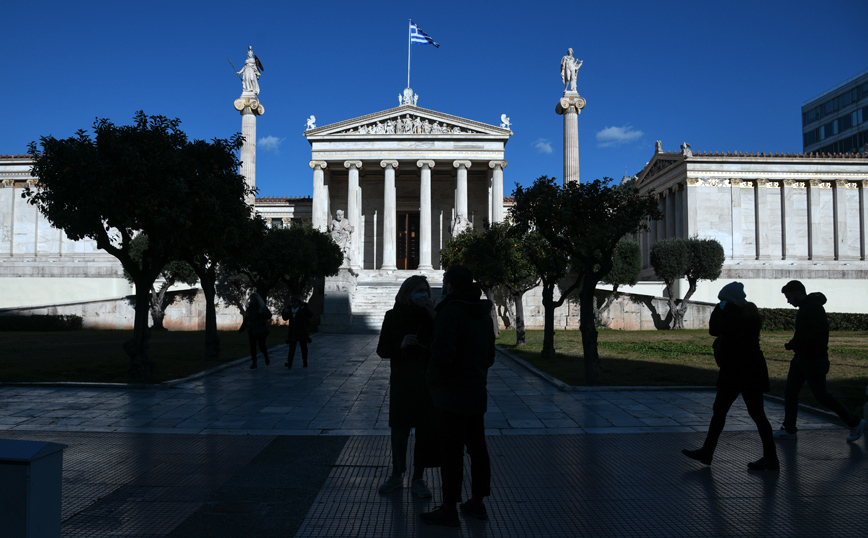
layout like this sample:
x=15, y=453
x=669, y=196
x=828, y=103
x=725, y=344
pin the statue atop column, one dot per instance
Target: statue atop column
x=341, y=231
x=250, y=73
x=569, y=69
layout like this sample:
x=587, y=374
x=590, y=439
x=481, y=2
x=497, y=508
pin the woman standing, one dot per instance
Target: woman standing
x=737, y=323
x=405, y=339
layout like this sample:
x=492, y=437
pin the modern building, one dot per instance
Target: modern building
x=836, y=121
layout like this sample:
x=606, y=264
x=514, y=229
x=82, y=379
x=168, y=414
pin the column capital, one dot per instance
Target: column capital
x=423, y=164
x=249, y=105
x=570, y=104
x=389, y=164
x=495, y=164
x=322, y=165
x=353, y=164
x=460, y=164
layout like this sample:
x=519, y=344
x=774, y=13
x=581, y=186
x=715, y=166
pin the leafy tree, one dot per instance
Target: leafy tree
x=585, y=221
x=694, y=259
x=481, y=253
x=626, y=265
x=551, y=265
x=496, y=257
x=125, y=180
x=174, y=272
x=219, y=221
x=278, y=260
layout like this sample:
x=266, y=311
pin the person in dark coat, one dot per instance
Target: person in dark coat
x=737, y=323
x=462, y=351
x=405, y=339
x=298, y=315
x=257, y=319
x=810, y=363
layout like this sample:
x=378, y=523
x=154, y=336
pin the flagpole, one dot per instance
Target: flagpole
x=409, y=38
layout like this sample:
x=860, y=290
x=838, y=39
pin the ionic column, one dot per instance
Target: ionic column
x=661, y=224
x=570, y=106
x=814, y=220
x=787, y=219
x=671, y=216
x=354, y=211
x=425, y=215
x=761, y=226
x=461, y=189
x=319, y=209
x=390, y=208
x=680, y=210
x=249, y=107
x=839, y=211
x=497, y=190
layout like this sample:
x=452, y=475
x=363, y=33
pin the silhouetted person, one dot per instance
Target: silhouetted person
x=256, y=321
x=405, y=340
x=298, y=315
x=810, y=347
x=461, y=354
x=737, y=323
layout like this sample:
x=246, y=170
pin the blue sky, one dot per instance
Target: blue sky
x=723, y=76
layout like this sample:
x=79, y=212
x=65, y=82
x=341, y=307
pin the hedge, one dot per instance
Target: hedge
x=39, y=323
x=784, y=319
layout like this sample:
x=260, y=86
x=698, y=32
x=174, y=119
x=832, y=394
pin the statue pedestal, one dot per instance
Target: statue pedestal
x=337, y=310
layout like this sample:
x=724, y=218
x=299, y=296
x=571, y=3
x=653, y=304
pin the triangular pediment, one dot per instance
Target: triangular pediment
x=658, y=163
x=408, y=121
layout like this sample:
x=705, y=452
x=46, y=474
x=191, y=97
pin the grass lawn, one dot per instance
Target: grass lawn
x=97, y=356
x=684, y=358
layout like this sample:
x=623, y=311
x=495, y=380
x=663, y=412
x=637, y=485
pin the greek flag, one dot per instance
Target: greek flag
x=420, y=37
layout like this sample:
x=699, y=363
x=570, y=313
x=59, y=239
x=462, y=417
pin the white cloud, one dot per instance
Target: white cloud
x=543, y=146
x=270, y=143
x=616, y=136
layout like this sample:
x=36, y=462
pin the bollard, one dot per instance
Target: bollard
x=30, y=488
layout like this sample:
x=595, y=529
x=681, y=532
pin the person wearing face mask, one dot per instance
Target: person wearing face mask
x=404, y=340
x=298, y=315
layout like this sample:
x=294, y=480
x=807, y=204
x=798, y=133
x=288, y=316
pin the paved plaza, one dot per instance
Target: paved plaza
x=279, y=452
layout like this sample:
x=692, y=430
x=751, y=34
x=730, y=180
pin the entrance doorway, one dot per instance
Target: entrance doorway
x=408, y=241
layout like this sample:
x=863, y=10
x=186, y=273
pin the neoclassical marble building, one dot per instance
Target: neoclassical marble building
x=778, y=216
x=407, y=179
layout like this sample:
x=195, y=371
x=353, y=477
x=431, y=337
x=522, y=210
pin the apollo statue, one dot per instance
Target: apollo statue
x=569, y=68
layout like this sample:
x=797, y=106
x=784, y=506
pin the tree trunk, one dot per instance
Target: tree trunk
x=520, y=335
x=158, y=309
x=138, y=349
x=677, y=315
x=589, y=333
x=489, y=294
x=548, y=294
x=212, y=341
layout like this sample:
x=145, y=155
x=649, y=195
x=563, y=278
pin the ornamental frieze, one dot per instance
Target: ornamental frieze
x=409, y=124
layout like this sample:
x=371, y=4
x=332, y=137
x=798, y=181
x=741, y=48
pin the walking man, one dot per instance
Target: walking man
x=810, y=346
x=462, y=351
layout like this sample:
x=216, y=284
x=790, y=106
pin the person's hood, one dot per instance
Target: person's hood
x=815, y=297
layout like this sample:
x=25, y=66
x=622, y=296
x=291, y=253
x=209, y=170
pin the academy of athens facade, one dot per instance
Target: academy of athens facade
x=407, y=179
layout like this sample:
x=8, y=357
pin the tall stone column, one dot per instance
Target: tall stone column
x=497, y=190
x=390, y=208
x=354, y=211
x=815, y=220
x=839, y=211
x=461, y=189
x=425, y=215
x=249, y=107
x=319, y=213
x=788, y=223
x=760, y=215
x=570, y=106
